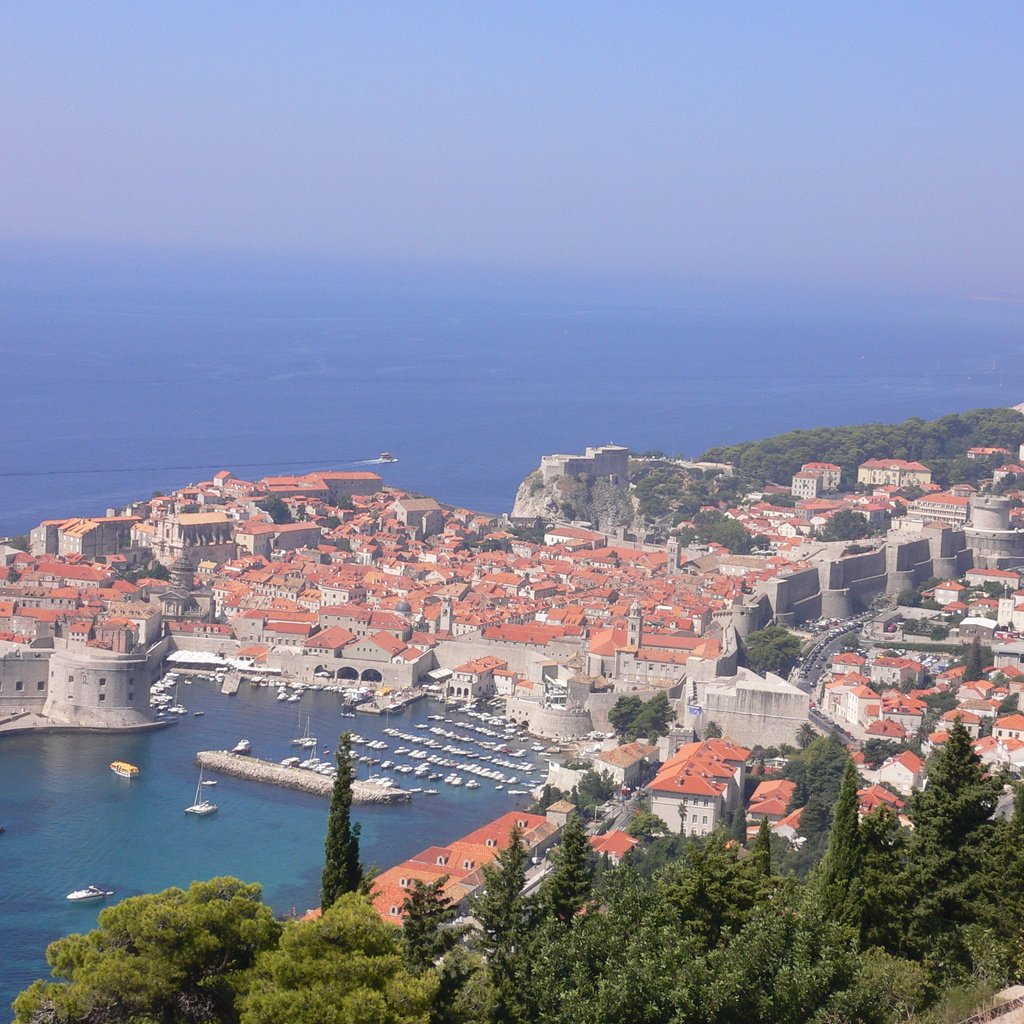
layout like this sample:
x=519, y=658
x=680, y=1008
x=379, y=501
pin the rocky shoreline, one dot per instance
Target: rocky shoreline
x=252, y=769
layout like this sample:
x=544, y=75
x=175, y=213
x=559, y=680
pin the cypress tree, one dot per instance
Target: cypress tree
x=342, y=871
x=503, y=914
x=973, y=667
x=761, y=854
x=839, y=882
x=567, y=887
x=738, y=828
x=959, y=799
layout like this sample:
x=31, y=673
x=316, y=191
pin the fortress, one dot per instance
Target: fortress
x=836, y=585
x=611, y=461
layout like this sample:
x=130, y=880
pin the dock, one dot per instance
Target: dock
x=230, y=685
x=253, y=769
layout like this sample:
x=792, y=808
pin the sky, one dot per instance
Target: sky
x=875, y=145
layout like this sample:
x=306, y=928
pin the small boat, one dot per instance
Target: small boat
x=387, y=457
x=204, y=806
x=198, y=714
x=124, y=769
x=90, y=892
x=430, y=792
x=209, y=782
x=290, y=762
x=242, y=747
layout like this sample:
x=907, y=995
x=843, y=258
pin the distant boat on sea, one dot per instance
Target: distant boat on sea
x=124, y=769
x=387, y=457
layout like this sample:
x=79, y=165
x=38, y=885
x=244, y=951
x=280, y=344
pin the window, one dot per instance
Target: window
x=404, y=882
x=468, y=865
x=393, y=911
x=131, y=696
x=19, y=686
x=41, y=685
x=705, y=819
x=71, y=678
x=492, y=842
x=103, y=682
x=693, y=818
x=103, y=696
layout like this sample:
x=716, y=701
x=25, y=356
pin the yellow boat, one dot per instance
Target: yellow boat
x=124, y=769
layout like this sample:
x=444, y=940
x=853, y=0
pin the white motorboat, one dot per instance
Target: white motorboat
x=242, y=747
x=199, y=806
x=90, y=892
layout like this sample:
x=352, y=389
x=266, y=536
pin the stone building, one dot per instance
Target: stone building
x=610, y=462
x=195, y=537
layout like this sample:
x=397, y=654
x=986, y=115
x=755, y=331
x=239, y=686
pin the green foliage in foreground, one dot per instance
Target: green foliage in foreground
x=888, y=924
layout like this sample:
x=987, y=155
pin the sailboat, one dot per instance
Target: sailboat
x=203, y=806
x=305, y=740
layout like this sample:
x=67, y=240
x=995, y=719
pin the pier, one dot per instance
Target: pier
x=252, y=769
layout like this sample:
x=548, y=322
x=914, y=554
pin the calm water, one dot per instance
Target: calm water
x=129, y=372
x=71, y=822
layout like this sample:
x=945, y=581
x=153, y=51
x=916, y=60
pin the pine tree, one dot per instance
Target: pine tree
x=569, y=884
x=761, y=854
x=342, y=870
x=838, y=882
x=427, y=911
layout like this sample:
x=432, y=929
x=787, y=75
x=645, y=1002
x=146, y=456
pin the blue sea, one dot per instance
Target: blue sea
x=122, y=376
x=71, y=822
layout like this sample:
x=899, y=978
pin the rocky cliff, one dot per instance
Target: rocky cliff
x=576, y=498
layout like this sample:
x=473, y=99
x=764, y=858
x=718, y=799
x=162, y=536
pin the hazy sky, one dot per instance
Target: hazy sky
x=872, y=144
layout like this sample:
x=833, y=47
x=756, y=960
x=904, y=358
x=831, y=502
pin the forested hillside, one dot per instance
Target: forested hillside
x=940, y=444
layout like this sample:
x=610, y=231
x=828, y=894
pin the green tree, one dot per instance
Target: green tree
x=569, y=884
x=346, y=968
x=169, y=957
x=952, y=826
x=645, y=825
x=738, y=826
x=761, y=853
x=805, y=735
x=845, y=525
x=838, y=881
x=593, y=789
x=712, y=730
x=342, y=871
x=633, y=718
x=276, y=509
x=974, y=666
x=426, y=924
x=505, y=917
x=772, y=649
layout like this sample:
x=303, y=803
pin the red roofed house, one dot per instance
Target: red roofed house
x=616, y=844
x=474, y=679
x=904, y=772
x=1009, y=727
x=699, y=786
x=771, y=800
x=893, y=471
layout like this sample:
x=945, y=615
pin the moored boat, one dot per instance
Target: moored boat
x=90, y=892
x=124, y=769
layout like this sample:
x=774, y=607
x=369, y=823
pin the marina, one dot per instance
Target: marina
x=73, y=821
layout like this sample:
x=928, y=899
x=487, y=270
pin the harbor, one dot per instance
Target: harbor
x=72, y=822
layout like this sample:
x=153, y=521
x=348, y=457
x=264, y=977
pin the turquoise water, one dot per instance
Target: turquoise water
x=71, y=822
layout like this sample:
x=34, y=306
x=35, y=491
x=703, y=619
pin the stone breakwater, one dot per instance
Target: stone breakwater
x=252, y=769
